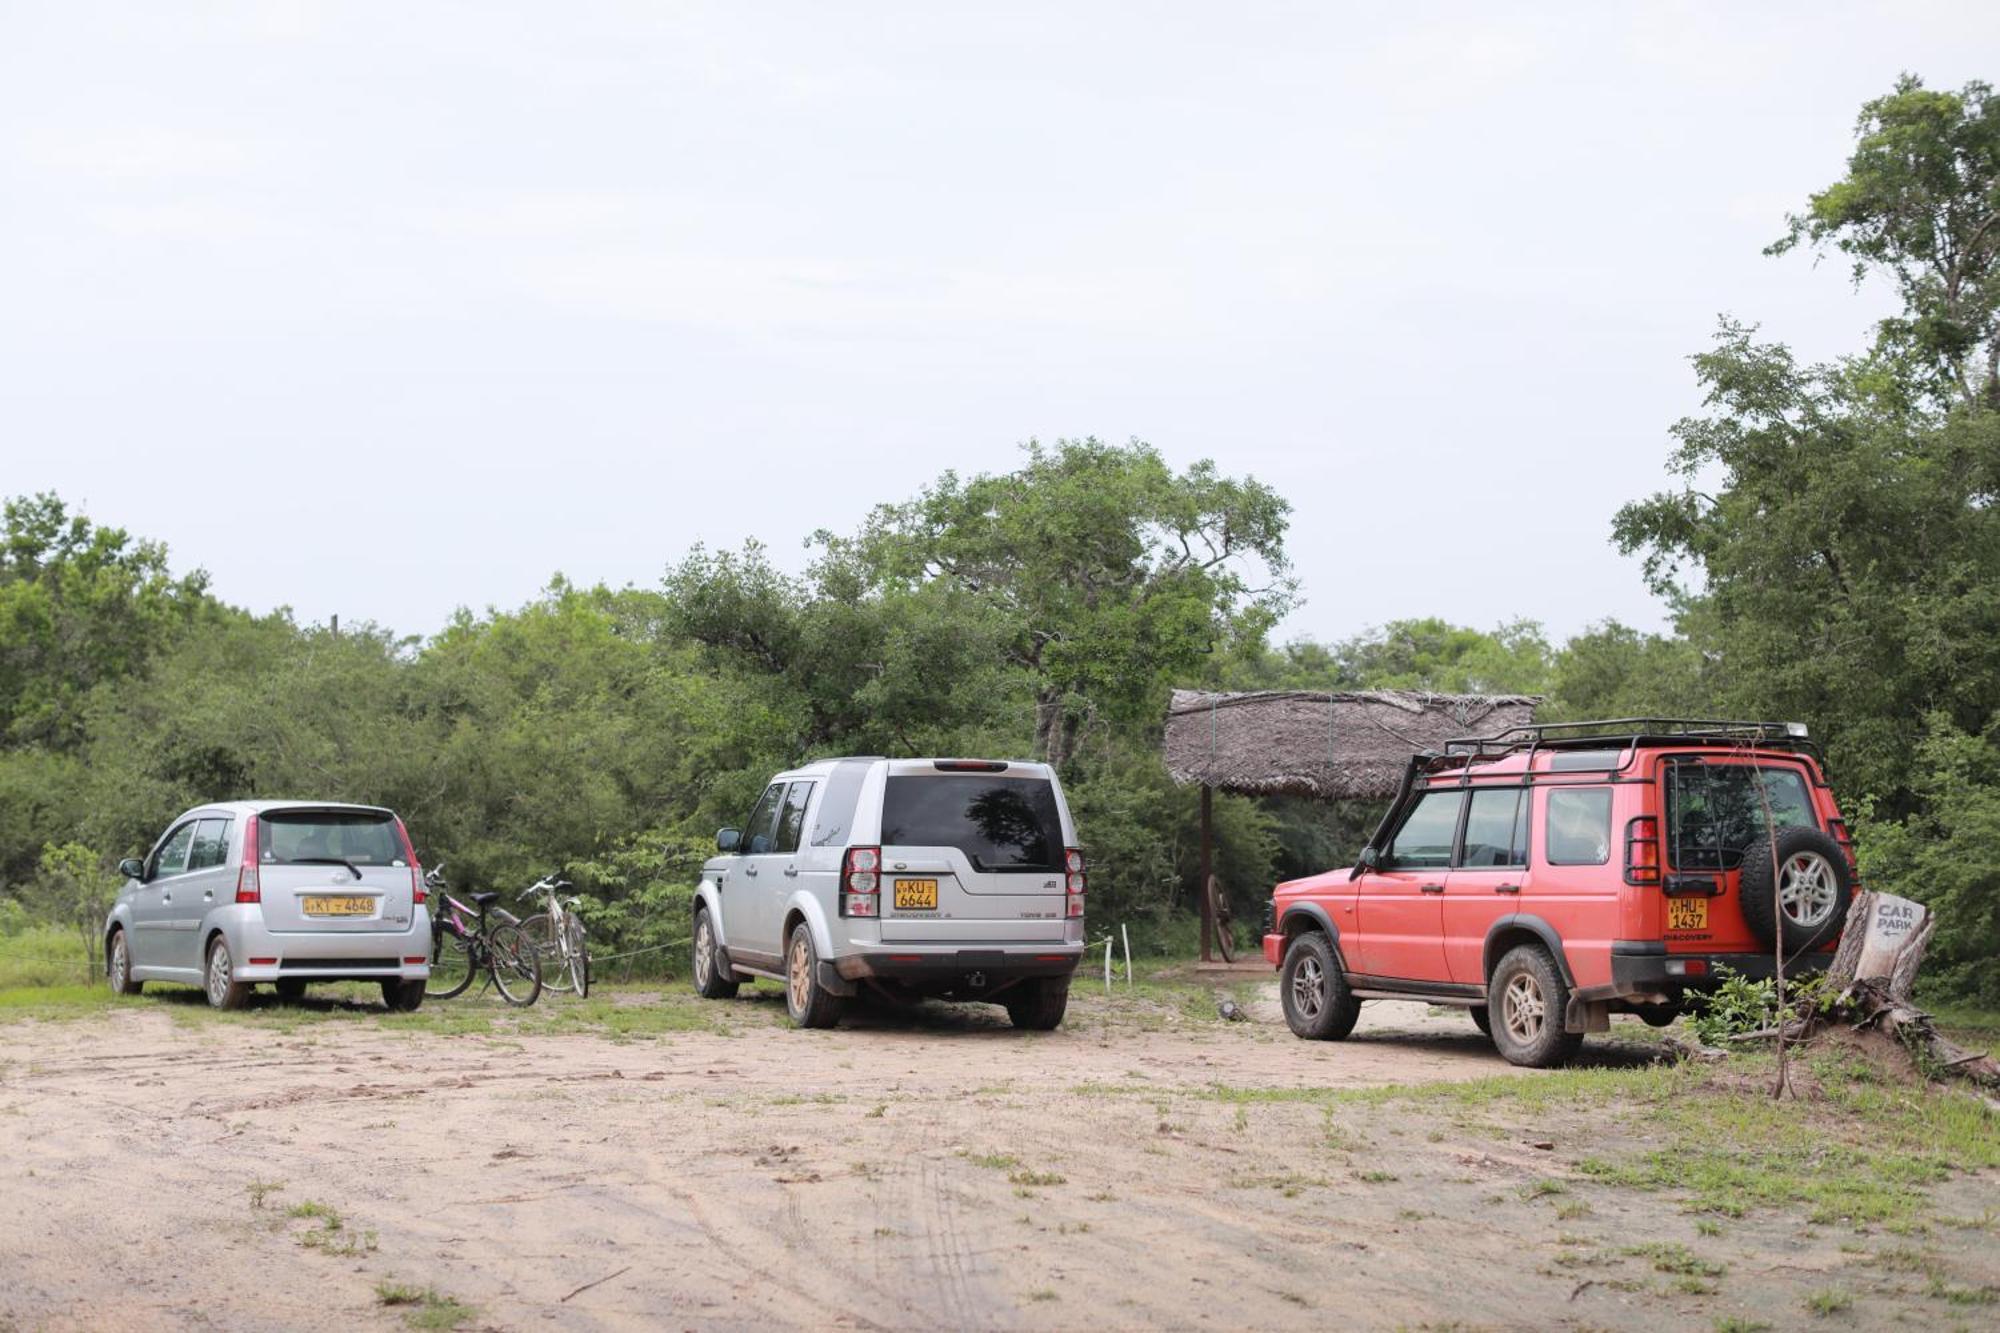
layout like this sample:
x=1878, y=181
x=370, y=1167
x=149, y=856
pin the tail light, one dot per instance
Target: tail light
x=1846, y=841
x=861, y=882
x=416, y=871
x=250, y=883
x=1074, y=882
x=1642, y=850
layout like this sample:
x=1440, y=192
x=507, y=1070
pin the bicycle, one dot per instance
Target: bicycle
x=462, y=948
x=557, y=934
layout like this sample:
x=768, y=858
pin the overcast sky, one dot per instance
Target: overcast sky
x=385, y=309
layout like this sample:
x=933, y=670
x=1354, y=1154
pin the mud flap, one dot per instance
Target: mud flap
x=1586, y=1016
x=833, y=983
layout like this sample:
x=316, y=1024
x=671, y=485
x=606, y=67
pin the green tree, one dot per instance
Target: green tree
x=1111, y=574
x=79, y=605
x=1920, y=204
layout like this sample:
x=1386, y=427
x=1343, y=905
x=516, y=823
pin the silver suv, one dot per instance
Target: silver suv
x=287, y=892
x=951, y=878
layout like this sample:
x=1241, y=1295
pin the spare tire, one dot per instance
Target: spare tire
x=1810, y=896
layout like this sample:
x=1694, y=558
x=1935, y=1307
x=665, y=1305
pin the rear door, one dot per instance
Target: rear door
x=1486, y=880
x=332, y=870
x=208, y=881
x=971, y=854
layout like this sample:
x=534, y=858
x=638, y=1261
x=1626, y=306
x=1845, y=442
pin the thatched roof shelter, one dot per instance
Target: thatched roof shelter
x=1324, y=745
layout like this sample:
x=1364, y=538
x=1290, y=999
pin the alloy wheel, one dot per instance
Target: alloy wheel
x=704, y=952
x=798, y=977
x=1523, y=1009
x=219, y=973
x=1308, y=988
x=1808, y=890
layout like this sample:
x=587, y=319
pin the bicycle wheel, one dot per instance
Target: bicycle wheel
x=451, y=964
x=555, y=965
x=579, y=957
x=516, y=965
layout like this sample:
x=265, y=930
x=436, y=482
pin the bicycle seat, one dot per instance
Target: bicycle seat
x=484, y=900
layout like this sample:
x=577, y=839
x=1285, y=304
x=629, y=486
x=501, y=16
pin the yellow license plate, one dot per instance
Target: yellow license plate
x=328, y=905
x=916, y=895
x=1687, y=914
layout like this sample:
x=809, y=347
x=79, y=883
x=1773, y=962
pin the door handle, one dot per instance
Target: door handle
x=749, y=870
x=166, y=897
x=208, y=897
x=1506, y=888
x=792, y=871
x=1431, y=888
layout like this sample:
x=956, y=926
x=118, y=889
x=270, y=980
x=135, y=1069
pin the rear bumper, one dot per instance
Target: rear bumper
x=1643, y=969
x=934, y=963
x=328, y=955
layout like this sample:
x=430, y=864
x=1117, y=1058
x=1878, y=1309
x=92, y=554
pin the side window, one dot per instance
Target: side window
x=211, y=843
x=172, y=858
x=1426, y=836
x=1579, y=831
x=792, y=820
x=1496, y=829
x=762, y=828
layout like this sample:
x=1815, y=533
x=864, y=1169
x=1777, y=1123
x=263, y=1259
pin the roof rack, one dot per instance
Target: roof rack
x=1632, y=731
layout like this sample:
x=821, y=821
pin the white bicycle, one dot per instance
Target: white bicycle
x=557, y=933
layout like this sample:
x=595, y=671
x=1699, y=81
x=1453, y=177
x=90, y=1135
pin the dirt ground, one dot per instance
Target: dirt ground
x=932, y=1169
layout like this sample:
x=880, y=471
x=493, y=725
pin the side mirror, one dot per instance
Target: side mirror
x=728, y=840
x=1370, y=859
x=132, y=868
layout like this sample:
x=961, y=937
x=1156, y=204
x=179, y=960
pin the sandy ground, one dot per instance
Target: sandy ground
x=916, y=1171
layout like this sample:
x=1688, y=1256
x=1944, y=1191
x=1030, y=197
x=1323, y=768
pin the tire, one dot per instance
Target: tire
x=402, y=997
x=118, y=967
x=219, y=978
x=579, y=959
x=1482, y=1018
x=708, y=979
x=1814, y=888
x=1318, y=1004
x=810, y=1004
x=451, y=965
x=1526, y=1001
x=515, y=965
x=291, y=990
x=1037, y=1005
x=555, y=968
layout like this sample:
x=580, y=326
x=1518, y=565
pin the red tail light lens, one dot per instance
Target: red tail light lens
x=1642, y=850
x=249, y=883
x=861, y=882
x=416, y=871
x=1075, y=881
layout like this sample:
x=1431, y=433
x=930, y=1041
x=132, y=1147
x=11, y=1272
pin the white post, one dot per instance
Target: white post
x=1128, y=952
x=1107, y=964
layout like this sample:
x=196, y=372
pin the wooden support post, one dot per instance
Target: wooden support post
x=1207, y=869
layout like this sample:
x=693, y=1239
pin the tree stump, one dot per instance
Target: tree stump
x=1881, y=950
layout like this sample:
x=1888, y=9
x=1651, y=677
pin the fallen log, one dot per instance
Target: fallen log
x=1881, y=950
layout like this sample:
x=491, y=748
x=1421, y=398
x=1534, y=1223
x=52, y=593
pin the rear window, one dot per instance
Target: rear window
x=302, y=837
x=1714, y=811
x=999, y=823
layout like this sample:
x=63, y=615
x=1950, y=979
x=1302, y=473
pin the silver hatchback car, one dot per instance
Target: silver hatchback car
x=285, y=892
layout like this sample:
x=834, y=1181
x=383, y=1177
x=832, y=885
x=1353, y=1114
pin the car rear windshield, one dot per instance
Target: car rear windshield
x=362, y=838
x=1714, y=811
x=999, y=823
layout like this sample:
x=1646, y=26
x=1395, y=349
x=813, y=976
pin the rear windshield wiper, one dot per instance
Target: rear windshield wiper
x=352, y=869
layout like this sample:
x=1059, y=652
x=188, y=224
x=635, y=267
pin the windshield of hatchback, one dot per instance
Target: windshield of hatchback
x=999, y=823
x=362, y=838
x=1714, y=811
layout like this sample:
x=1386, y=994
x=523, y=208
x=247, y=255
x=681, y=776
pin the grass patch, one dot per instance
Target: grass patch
x=993, y=1161
x=1831, y=1301
x=1036, y=1178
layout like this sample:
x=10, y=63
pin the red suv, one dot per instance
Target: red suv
x=1555, y=874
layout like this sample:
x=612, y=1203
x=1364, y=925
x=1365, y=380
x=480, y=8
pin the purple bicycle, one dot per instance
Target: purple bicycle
x=468, y=939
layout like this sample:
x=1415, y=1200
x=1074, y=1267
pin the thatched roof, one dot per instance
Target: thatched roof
x=1319, y=744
